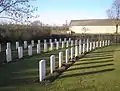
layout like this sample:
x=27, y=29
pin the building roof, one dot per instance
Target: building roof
x=92, y=22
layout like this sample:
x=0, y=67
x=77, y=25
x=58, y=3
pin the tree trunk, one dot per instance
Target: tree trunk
x=116, y=28
x=116, y=33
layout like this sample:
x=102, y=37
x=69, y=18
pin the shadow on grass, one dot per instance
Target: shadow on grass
x=87, y=67
x=95, y=62
x=107, y=51
x=88, y=73
x=99, y=58
x=19, y=81
x=99, y=55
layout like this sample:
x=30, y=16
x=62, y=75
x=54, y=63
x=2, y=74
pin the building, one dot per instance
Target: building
x=93, y=26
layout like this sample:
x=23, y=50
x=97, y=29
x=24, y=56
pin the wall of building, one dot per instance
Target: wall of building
x=94, y=29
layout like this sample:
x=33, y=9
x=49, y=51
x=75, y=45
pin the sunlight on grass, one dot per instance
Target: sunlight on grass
x=97, y=71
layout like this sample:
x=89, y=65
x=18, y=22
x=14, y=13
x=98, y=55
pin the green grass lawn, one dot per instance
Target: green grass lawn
x=97, y=71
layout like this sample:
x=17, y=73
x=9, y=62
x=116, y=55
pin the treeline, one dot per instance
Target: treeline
x=14, y=32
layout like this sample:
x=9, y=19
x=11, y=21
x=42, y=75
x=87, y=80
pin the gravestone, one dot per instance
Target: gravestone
x=25, y=44
x=45, y=47
x=67, y=44
x=87, y=45
x=65, y=40
x=57, y=45
x=51, y=46
x=42, y=70
x=30, y=50
x=72, y=53
x=60, y=59
x=39, y=42
x=38, y=49
x=97, y=44
x=50, y=40
x=90, y=46
x=17, y=45
x=63, y=44
x=32, y=42
x=20, y=52
x=45, y=41
x=71, y=43
x=52, y=63
x=55, y=40
x=80, y=47
x=76, y=51
x=8, y=45
x=103, y=43
x=67, y=55
x=8, y=55
x=60, y=40
x=100, y=43
x=93, y=45
x=69, y=40
x=83, y=48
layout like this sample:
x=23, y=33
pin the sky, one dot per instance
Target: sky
x=58, y=11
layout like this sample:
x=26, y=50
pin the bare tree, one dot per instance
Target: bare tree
x=17, y=10
x=114, y=13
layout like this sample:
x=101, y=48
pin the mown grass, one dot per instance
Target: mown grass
x=97, y=71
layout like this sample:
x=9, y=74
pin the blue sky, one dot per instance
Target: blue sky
x=58, y=11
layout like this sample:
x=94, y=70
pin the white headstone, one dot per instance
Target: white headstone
x=87, y=45
x=79, y=41
x=71, y=43
x=93, y=45
x=38, y=49
x=45, y=47
x=83, y=48
x=67, y=55
x=55, y=40
x=32, y=42
x=52, y=63
x=60, y=40
x=76, y=42
x=67, y=44
x=25, y=44
x=72, y=53
x=30, y=50
x=60, y=59
x=20, y=52
x=8, y=45
x=42, y=70
x=69, y=40
x=63, y=44
x=100, y=43
x=65, y=40
x=8, y=55
x=45, y=41
x=103, y=43
x=90, y=46
x=50, y=40
x=76, y=51
x=108, y=42
x=57, y=45
x=80, y=49
x=97, y=44
x=39, y=42
x=51, y=46
x=17, y=45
